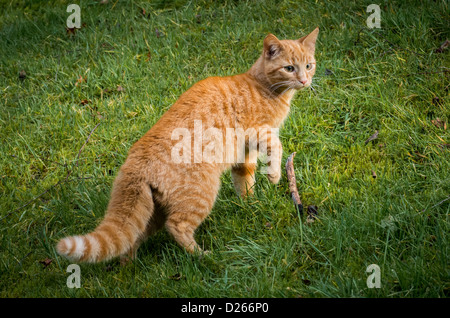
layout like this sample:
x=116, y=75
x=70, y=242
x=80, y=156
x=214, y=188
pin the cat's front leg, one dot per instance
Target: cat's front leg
x=243, y=174
x=271, y=151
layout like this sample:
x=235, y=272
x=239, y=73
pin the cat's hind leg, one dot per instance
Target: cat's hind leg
x=189, y=206
x=155, y=224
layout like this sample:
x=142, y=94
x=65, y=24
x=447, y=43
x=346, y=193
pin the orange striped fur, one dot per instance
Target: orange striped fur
x=152, y=190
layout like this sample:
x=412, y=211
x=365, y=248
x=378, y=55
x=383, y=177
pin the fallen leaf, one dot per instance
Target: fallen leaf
x=120, y=88
x=374, y=175
x=80, y=80
x=99, y=116
x=439, y=123
x=443, y=46
x=84, y=102
x=177, y=276
x=46, y=262
x=107, y=46
x=71, y=31
x=22, y=75
x=437, y=101
x=373, y=137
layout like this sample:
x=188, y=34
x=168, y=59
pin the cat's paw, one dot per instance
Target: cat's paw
x=275, y=176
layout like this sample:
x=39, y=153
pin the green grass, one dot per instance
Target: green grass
x=389, y=79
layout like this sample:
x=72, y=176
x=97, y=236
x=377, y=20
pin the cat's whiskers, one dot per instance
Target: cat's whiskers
x=288, y=88
x=274, y=87
x=277, y=85
x=313, y=84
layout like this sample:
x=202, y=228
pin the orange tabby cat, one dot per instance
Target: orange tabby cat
x=154, y=188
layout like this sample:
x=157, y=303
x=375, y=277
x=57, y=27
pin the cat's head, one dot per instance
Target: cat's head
x=290, y=63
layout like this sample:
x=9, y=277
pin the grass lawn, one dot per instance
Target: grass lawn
x=72, y=102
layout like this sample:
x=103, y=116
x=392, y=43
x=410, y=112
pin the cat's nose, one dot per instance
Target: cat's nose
x=303, y=81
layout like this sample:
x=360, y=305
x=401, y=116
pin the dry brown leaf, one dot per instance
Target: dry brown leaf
x=439, y=123
x=437, y=101
x=22, y=75
x=373, y=137
x=46, y=262
x=443, y=46
x=80, y=80
x=71, y=31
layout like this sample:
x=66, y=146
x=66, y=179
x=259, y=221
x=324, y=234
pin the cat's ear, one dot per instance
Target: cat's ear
x=272, y=46
x=309, y=41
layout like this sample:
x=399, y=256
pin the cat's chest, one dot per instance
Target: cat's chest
x=276, y=115
x=270, y=114
x=283, y=114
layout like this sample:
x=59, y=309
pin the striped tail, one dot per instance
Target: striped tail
x=129, y=211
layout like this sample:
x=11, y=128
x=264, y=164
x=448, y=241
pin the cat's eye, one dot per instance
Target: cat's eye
x=308, y=66
x=289, y=68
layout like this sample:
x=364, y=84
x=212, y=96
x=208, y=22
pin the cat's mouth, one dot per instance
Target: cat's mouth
x=299, y=85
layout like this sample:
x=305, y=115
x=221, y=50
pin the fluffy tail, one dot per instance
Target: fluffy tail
x=129, y=211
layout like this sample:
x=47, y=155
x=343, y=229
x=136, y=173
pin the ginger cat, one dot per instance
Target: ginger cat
x=154, y=189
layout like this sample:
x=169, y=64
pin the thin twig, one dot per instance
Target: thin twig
x=40, y=195
x=430, y=72
x=66, y=179
x=81, y=149
x=397, y=46
x=439, y=203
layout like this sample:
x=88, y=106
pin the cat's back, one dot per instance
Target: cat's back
x=212, y=102
x=208, y=100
